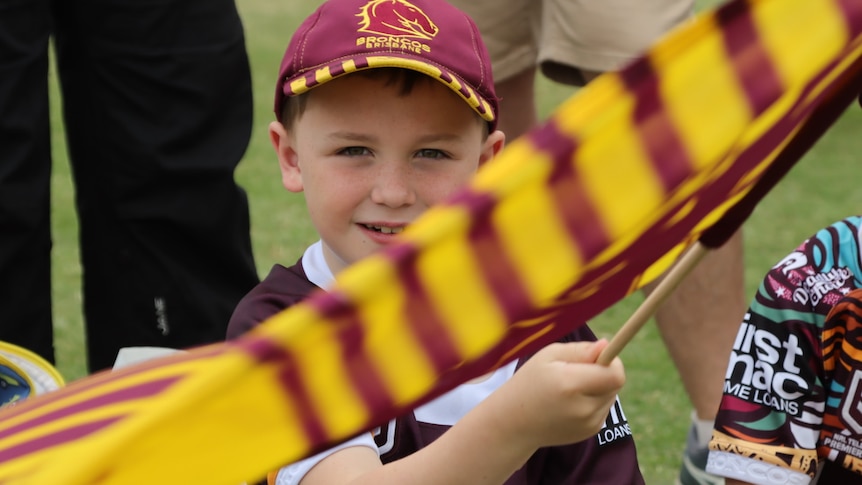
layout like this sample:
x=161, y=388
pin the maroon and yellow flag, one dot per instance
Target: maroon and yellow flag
x=587, y=208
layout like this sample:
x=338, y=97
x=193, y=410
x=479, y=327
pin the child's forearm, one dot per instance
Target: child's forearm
x=478, y=450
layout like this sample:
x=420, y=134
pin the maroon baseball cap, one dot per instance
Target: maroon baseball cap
x=429, y=36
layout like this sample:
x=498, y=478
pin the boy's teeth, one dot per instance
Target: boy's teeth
x=387, y=230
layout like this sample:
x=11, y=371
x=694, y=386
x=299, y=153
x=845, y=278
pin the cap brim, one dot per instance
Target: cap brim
x=308, y=80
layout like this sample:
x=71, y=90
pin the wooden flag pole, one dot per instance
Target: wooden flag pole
x=649, y=306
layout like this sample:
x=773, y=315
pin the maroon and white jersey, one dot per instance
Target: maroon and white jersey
x=609, y=458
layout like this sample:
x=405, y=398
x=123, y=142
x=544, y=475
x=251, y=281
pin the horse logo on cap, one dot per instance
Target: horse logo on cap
x=396, y=18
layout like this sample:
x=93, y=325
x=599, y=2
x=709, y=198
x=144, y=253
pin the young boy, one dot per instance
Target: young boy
x=792, y=406
x=384, y=109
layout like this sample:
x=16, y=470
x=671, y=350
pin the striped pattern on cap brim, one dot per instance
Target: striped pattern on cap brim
x=312, y=79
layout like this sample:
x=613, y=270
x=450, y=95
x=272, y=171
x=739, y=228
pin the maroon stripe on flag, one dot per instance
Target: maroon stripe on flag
x=351, y=337
x=495, y=265
x=750, y=60
x=422, y=317
x=852, y=10
x=54, y=440
x=813, y=112
x=664, y=147
x=102, y=379
x=132, y=393
x=363, y=373
x=267, y=352
x=582, y=221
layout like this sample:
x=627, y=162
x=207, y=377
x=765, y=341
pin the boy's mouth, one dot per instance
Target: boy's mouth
x=384, y=229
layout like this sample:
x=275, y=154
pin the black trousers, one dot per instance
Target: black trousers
x=157, y=109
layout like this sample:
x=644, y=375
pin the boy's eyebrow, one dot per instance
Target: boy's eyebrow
x=349, y=135
x=363, y=138
x=437, y=137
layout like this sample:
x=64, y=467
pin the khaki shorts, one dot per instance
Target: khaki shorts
x=566, y=37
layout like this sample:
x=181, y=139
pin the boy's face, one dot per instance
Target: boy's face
x=371, y=159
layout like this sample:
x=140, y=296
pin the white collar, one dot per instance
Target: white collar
x=315, y=266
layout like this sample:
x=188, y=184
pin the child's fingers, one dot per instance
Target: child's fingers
x=576, y=352
x=579, y=359
x=596, y=350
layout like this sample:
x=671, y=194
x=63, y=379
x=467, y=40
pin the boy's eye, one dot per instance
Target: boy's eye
x=354, y=151
x=432, y=153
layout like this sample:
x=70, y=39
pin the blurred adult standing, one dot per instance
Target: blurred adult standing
x=157, y=108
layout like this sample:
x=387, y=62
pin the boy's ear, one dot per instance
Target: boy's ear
x=288, y=160
x=492, y=146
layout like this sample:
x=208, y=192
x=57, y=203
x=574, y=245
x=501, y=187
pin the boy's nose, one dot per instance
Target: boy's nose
x=394, y=185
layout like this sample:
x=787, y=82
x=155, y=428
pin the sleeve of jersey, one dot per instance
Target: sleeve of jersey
x=768, y=426
x=282, y=288
x=294, y=473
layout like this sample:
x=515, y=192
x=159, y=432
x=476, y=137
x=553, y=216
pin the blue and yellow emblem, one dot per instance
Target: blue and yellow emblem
x=24, y=374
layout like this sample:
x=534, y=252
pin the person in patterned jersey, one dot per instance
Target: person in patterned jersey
x=791, y=412
x=384, y=109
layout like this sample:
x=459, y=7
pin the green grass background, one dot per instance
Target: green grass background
x=821, y=189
